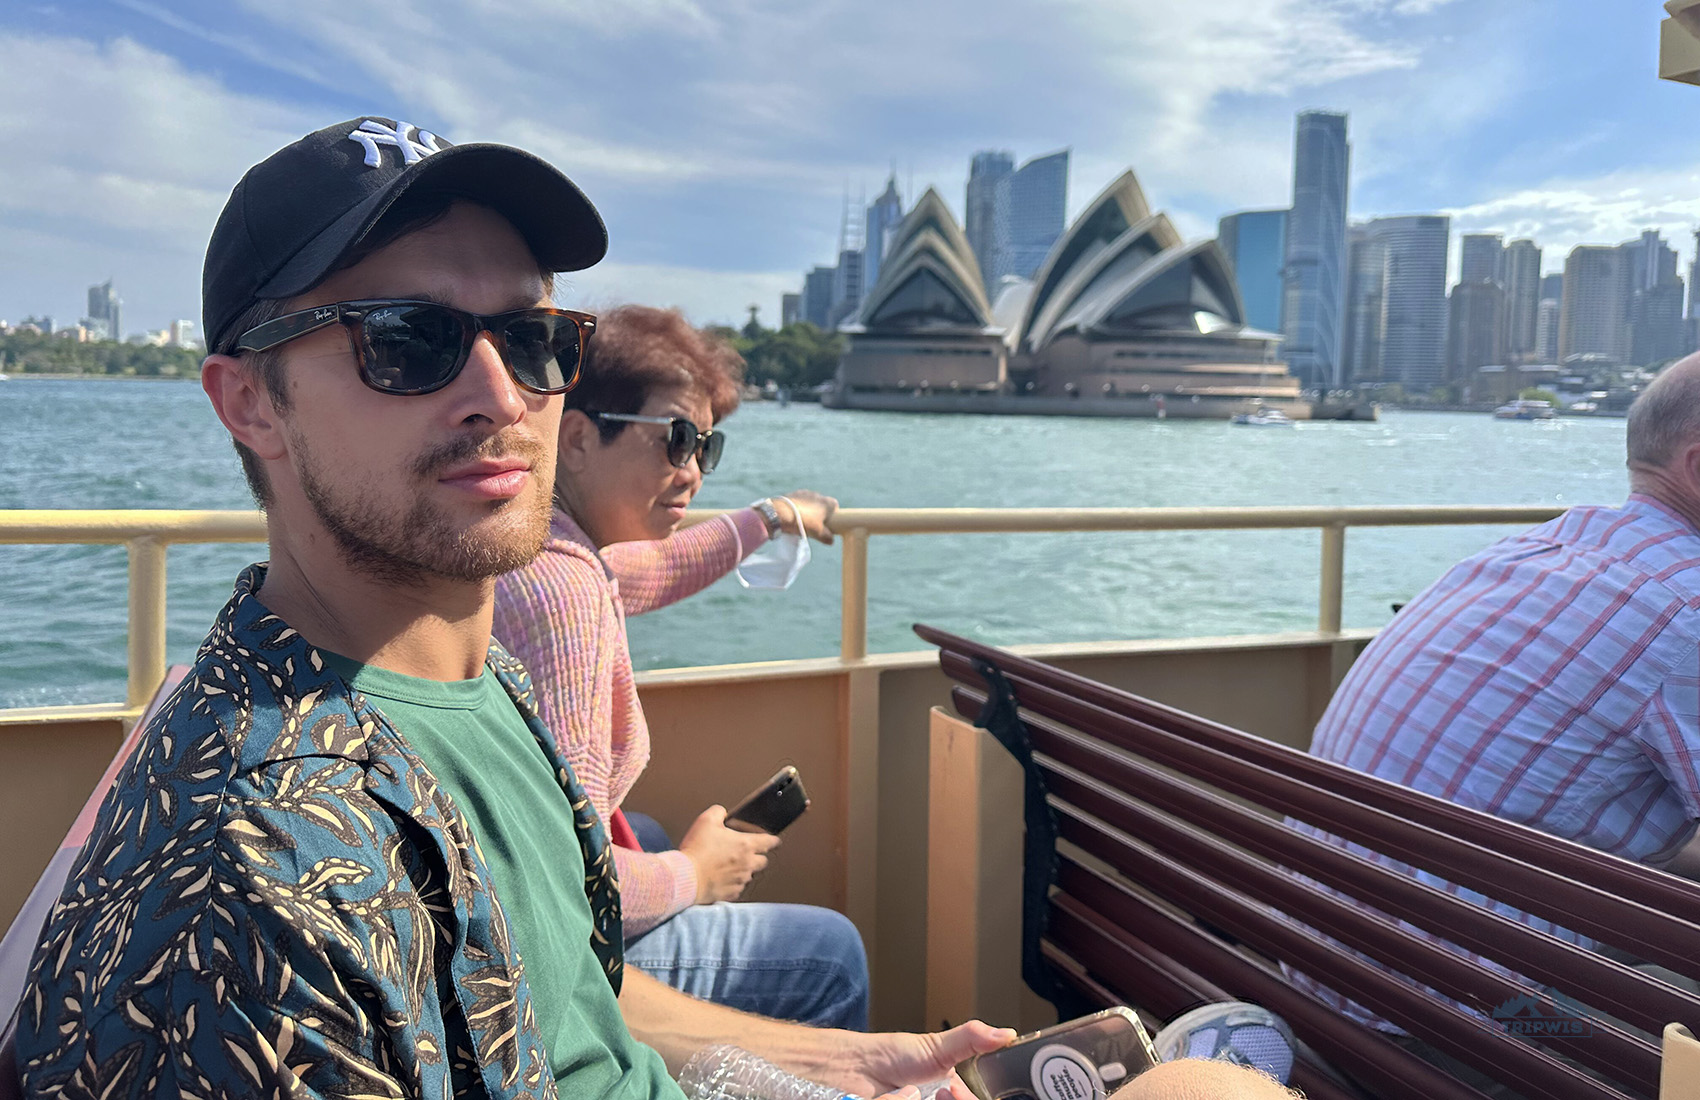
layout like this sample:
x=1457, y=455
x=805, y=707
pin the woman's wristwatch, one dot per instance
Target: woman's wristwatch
x=769, y=515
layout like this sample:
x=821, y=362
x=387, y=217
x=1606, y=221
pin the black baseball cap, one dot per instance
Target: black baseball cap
x=299, y=211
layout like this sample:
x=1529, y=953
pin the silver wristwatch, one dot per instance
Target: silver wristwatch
x=769, y=516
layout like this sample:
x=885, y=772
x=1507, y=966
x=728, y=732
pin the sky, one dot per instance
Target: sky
x=719, y=137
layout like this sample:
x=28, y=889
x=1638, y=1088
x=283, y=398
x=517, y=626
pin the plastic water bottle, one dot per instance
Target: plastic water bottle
x=726, y=1072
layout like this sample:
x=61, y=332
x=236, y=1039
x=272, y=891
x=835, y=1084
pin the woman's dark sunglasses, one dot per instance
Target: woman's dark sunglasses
x=684, y=439
x=408, y=347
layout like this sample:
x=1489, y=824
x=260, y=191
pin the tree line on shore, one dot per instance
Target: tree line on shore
x=34, y=353
x=797, y=357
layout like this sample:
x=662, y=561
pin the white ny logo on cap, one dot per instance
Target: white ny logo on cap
x=373, y=134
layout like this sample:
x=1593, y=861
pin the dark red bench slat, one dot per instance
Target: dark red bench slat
x=1165, y=870
x=1637, y=998
x=1622, y=878
x=1161, y=988
x=1383, y=1069
x=1467, y=1037
x=1142, y=971
x=1586, y=908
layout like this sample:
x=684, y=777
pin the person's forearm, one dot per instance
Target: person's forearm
x=654, y=574
x=678, y=1025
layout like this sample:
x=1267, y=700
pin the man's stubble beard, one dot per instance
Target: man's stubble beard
x=422, y=543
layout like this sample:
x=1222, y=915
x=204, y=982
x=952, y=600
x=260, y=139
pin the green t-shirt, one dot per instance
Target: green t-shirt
x=473, y=739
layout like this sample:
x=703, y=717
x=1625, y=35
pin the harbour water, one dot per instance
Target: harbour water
x=156, y=444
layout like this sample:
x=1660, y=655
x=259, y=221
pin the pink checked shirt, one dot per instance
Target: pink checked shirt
x=564, y=616
x=1552, y=679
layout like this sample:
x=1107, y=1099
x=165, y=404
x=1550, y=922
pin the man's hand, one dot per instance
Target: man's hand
x=726, y=859
x=815, y=510
x=873, y=1065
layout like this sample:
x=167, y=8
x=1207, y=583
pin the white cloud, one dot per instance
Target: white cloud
x=707, y=297
x=249, y=50
x=1609, y=209
x=711, y=132
x=118, y=154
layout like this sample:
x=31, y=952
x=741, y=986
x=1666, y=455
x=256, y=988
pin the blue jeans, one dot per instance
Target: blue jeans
x=790, y=962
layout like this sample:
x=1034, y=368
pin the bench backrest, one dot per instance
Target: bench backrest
x=1180, y=878
x=19, y=942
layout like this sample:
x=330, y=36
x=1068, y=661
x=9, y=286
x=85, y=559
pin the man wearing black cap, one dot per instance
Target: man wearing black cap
x=346, y=858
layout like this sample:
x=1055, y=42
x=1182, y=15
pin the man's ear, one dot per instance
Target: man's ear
x=1688, y=464
x=240, y=399
x=579, y=436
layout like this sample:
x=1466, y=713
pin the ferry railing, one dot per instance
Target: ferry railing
x=147, y=535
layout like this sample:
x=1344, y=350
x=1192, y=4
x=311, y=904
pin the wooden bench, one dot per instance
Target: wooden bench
x=1162, y=870
x=18, y=943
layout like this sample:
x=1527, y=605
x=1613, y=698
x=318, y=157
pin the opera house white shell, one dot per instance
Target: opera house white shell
x=1123, y=319
x=926, y=322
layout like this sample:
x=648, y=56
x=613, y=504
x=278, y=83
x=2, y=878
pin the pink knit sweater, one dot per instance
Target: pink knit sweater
x=564, y=615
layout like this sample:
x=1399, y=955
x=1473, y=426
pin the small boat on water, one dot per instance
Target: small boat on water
x=1525, y=409
x=1264, y=418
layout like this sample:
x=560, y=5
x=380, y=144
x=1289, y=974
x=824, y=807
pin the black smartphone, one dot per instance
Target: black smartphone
x=1084, y=1059
x=771, y=806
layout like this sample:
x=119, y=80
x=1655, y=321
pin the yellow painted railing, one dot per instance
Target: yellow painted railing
x=147, y=534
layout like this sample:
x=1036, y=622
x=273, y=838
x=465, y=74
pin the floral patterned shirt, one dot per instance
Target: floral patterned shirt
x=279, y=899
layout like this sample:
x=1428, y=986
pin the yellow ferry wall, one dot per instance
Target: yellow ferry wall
x=47, y=770
x=856, y=730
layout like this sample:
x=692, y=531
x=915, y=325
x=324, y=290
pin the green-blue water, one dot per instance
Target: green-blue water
x=132, y=444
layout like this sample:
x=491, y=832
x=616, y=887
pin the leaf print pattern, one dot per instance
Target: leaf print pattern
x=278, y=899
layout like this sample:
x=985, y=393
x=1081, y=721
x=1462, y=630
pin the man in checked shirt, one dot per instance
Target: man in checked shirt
x=1554, y=678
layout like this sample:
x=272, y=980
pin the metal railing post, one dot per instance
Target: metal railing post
x=1333, y=578
x=853, y=616
x=147, y=620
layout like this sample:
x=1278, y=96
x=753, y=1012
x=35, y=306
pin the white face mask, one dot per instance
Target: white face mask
x=780, y=559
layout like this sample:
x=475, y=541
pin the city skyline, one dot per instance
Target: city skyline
x=718, y=142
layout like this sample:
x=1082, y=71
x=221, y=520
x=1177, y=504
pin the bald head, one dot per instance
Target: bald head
x=1198, y=1079
x=1666, y=417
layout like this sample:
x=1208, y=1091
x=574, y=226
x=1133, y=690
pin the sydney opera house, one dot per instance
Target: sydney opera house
x=1123, y=318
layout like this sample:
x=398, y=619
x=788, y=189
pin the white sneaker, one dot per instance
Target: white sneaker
x=1231, y=1031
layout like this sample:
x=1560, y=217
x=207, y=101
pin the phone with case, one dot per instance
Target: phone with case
x=771, y=806
x=1084, y=1059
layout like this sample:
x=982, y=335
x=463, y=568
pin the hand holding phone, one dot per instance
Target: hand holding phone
x=1084, y=1059
x=726, y=859
x=772, y=806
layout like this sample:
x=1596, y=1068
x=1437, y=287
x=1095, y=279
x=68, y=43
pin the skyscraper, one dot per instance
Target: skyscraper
x=847, y=287
x=1656, y=332
x=1360, y=343
x=1522, y=282
x=1480, y=257
x=1591, y=314
x=1475, y=336
x=1546, y=331
x=1552, y=286
x=1412, y=328
x=1652, y=302
x=790, y=309
x=985, y=172
x=1029, y=209
x=883, y=215
x=1314, y=278
x=1256, y=244
x=1694, y=274
x=847, y=281
x=104, y=311
x=817, y=296
x=1691, y=319
x=1648, y=262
